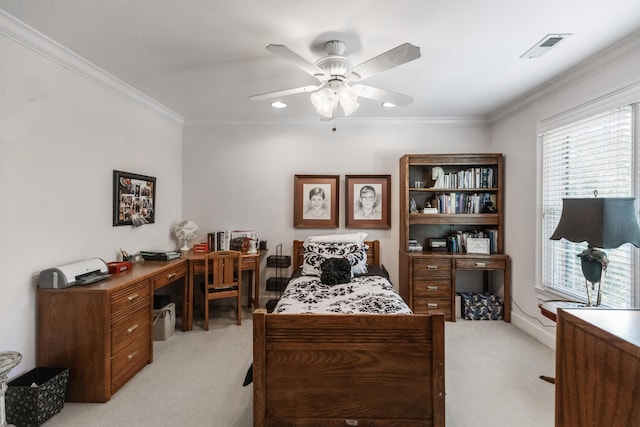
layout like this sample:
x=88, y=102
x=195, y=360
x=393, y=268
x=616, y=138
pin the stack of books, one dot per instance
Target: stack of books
x=159, y=255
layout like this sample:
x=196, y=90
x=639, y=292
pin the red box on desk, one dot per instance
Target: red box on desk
x=119, y=267
x=201, y=247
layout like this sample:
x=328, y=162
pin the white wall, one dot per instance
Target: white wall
x=64, y=128
x=608, y=78
x=240, y=176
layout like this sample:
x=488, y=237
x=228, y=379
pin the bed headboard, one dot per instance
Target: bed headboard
x=373, y=253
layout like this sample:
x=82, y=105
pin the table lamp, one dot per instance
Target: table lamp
x=604, y=223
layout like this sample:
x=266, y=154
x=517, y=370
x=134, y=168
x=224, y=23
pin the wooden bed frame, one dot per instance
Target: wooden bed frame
x=366, y=370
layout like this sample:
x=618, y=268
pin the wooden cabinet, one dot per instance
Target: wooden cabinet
x=597, y=367
x=102, y=332
x=431, y=285
x=466, y=190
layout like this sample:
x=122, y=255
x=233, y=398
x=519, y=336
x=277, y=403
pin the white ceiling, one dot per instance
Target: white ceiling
x=204, y=58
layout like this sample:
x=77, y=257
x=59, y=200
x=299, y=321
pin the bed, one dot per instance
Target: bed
x=312, y=370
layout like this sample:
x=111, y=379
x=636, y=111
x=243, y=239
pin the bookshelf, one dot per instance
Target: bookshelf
x=450, y=198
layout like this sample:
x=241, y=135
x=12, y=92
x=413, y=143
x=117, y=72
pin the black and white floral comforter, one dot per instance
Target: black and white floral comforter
x=364, y=294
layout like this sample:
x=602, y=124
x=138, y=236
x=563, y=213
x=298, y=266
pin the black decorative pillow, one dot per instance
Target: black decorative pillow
x=335, y=271
x=316, y=253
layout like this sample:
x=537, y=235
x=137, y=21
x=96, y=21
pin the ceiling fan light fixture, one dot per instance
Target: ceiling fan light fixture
x=348, y=100
x=327, y=99
x=278, y=104
x=388, y=104
x=324, y=102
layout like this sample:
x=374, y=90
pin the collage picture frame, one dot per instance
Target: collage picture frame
x=134, y=199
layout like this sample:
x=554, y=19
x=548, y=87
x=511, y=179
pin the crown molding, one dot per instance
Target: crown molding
x=606, y=58
x=347, y=121
x=31, y=38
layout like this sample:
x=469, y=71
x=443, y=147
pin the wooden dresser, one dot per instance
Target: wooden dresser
x=102, y=332
x=598, y=368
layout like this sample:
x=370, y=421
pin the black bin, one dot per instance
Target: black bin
x=34, y=397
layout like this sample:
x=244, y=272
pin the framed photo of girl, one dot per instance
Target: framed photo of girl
x=315, y=201
x=368, y=201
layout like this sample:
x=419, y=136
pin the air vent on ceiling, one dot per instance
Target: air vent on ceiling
x=545, y=45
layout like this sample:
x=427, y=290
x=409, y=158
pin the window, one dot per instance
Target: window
x=596, y=153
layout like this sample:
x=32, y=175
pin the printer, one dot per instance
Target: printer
x=76, y=273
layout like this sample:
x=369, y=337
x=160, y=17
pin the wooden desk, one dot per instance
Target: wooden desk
x=598, y=368
x=250, y=262
x=549, y=309
x=102, y=332
x=428, y=279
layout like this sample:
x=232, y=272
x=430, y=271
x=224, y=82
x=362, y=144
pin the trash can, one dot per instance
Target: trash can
x=164, y=322
x=34, y=397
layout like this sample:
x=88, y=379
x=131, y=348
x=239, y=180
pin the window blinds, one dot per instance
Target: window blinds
x=596, y=153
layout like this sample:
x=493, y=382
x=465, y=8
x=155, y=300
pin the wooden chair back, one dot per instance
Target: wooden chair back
x=222, y=279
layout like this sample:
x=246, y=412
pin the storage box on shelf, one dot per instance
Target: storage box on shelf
x=466, y=191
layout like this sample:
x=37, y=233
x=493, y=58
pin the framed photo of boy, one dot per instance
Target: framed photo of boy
x=368, y=201
x=134, y=199
x=315, y=201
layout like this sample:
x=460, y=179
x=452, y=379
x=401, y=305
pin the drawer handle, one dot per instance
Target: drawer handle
x=432, y=288
x=481, y=264
x=171, y=275
x=432, y=267
x=133, y=328
x=432, y=305
x=131, y=356
x=133, y=297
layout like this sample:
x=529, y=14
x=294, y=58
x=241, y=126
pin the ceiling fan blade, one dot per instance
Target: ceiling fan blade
x=288, y=55
x=382, y=95
x=286, y=92
x=392, y=58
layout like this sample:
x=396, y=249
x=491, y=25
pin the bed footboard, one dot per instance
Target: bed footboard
x=348, y=370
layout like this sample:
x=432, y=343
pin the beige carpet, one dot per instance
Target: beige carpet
x=492, y=371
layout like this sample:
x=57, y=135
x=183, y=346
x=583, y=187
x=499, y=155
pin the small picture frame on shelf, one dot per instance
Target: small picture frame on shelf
x=478, y=246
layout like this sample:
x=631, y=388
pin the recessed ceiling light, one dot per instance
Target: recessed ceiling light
x=545, y=45
x=278, y=104
x=388, y=104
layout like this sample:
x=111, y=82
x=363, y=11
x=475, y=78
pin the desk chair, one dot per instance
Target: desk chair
x=222, y=279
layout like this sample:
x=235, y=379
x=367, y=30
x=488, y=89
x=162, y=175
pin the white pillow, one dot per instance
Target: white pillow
x=340, y=238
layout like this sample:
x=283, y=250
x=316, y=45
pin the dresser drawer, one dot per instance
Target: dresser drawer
x=248, y=263
x=431, y=268
x=129, y=299
x=432, y=288
x=131, y=328
x=433, y=305
x=480, y=264
x=129, y=361
x=177, y=272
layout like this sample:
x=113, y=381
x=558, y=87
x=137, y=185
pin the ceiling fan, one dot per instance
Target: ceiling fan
x=336, y=74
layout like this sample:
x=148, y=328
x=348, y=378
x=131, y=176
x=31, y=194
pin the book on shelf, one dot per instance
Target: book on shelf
x=479, y=177
x=219, y=240
x=159, y=255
